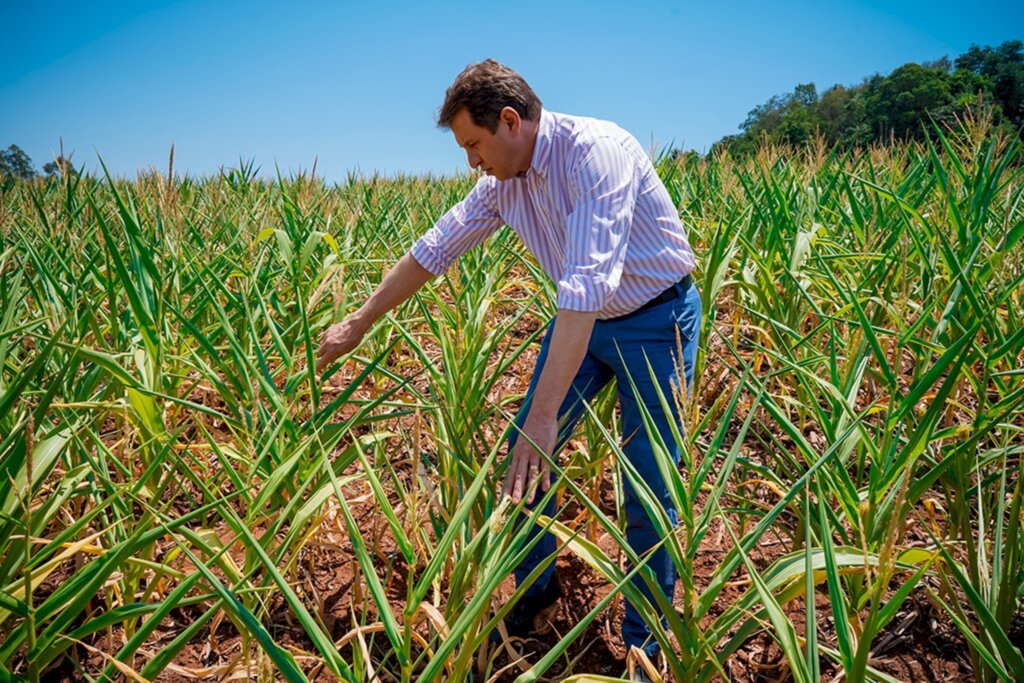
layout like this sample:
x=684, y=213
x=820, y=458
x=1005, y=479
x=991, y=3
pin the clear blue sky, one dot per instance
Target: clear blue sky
x=358, y=84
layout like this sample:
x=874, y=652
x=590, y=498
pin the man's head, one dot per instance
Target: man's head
x=493, y=114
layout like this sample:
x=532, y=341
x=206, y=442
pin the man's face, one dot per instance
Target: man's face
x=497, y=153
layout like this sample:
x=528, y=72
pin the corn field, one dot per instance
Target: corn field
x=184, y=498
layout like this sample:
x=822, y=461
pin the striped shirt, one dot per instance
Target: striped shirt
x=591, y=209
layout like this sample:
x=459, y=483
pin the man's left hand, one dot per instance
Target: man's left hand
x=526, y=466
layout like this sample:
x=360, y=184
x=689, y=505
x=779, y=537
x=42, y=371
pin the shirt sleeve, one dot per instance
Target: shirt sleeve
x=461, y=228
x=598, y=227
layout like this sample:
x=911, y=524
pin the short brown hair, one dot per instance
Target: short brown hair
x=484, y=89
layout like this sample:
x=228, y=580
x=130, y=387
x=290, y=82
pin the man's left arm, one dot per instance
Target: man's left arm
x=566, y=350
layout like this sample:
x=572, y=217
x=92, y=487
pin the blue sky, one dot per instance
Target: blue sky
x=356, y=85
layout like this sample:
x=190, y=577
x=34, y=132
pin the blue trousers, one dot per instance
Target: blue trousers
x=622, y=349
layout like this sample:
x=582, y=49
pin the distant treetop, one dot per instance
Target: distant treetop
x=14, y=162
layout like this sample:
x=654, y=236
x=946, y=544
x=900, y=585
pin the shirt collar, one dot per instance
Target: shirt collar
x=542, y=146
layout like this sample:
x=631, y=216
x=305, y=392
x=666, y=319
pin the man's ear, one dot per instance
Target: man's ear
x=509, y=117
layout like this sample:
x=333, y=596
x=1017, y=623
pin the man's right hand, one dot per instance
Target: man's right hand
x=399, y=284
x=338, y=340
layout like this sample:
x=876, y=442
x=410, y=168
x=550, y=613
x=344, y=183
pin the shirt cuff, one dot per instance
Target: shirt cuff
x=431, y=257
x=583, y=292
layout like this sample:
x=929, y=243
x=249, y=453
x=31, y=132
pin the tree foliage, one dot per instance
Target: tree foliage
x=900, y=105
x=14, y=162
x=60, y=166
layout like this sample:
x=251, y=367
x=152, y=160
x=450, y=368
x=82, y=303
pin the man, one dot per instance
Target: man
x=586, y=201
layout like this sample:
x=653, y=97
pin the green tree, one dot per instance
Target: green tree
x=899, y=104
x=790, y=118
x=801, y=119
x=841, y=111
x=1001, y=73
x=14, y=162
x=765, y=117
x=739, y=145
x=60, y=166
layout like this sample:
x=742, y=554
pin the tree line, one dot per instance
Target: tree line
x=900, y=105
x=15, y=163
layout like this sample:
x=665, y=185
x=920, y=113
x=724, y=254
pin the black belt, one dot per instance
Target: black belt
x=677, y=290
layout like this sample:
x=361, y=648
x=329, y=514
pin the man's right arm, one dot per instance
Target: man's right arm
x=462, y=227
x=399, y=284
